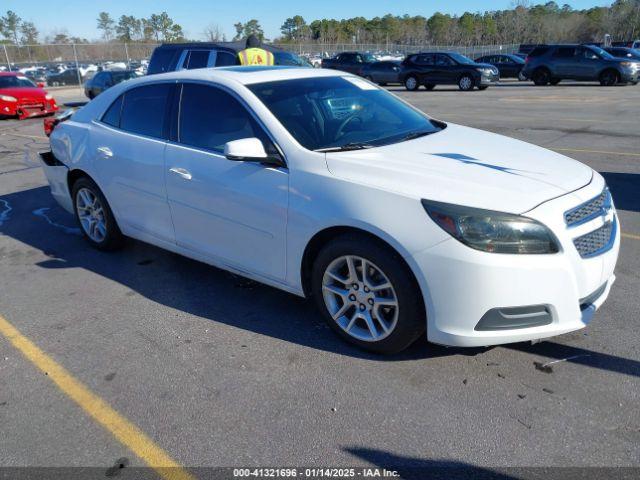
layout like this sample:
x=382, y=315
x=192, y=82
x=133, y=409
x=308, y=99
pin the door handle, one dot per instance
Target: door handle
x=186, y=174
x=105, y=151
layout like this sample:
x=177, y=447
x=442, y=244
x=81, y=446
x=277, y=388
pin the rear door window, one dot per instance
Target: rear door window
x=538, y=51
x=144, y=109
x=197, y=59
x=564, y=52
x=424, y=60
x=162, y=60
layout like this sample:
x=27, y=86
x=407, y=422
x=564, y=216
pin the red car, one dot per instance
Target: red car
x=20, y=97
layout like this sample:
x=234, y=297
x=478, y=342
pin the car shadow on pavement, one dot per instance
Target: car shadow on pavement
x=410, y=468
x=625, y=190
x=180, y=283
x=33, y=218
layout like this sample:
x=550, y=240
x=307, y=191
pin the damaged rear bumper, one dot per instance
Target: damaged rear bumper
x=57, y=176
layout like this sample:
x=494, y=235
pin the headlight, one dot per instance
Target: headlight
x=485, y=71
x=7, y=98
x=48, y=96
x=494, y=232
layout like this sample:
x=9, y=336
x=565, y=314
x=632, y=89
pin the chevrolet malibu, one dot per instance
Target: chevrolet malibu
x=320, y=183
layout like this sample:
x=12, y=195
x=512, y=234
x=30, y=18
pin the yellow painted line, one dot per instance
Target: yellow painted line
x=126, y=433
x=631, y=235
x=627, y=154
x=39, y=137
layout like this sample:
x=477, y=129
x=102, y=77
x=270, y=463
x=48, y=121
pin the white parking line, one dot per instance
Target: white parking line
x=40, y=212
x=4, y=214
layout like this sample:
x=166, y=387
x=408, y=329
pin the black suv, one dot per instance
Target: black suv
x=446, y=68
x=553, y=63
x=169, y=57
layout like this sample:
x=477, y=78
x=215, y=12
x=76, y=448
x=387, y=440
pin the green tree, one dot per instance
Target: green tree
x=105, y=23
x=128, y=28
x=10, y=26
x=29, y=33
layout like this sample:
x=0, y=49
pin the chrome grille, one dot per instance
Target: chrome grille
x=589, y=210
x=596, y=242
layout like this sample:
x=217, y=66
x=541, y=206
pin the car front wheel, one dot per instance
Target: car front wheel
x=411, y=83
x=368, y=295
x=465, y=83
x=94, y=215
x=609, y=78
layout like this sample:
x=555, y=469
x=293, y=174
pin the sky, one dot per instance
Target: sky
x=78, y=17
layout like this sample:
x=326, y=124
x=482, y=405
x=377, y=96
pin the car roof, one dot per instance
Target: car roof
x=246, y=75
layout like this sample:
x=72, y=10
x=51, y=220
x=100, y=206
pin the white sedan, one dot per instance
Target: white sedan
x=326, y=186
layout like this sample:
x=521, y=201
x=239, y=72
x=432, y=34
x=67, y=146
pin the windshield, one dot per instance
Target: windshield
x=461, y=59
x=291, y=59
x=10, y=82
x=368, y=58
x=602, y=53
x=333, y=112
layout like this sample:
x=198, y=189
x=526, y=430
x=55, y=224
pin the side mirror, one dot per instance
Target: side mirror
x=250, y=150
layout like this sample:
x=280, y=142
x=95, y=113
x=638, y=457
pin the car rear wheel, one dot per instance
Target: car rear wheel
x=411, y=83
x=94, y=215
x=541, y=77
x=465, y=83
x=367, y=294
x=609, y=78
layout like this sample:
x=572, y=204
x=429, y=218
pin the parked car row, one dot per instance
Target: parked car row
x=543, y=64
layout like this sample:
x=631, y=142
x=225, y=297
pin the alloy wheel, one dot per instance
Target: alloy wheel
x=466, y=83
x=91, y=215
x=360, y=298
x=411, y=83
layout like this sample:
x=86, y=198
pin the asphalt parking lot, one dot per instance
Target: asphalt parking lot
x=213, y=370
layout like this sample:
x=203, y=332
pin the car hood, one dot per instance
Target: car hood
x=465, y=166
x=484, y=65
x=23, y=92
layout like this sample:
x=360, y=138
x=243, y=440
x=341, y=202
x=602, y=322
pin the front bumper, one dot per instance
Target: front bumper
x=24, y=110
x=489, y=79
x=629, y=75
x=461, y=285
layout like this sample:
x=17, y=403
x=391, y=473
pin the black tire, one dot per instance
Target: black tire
x=634, y=83
x=541, y=77
x=383, y=84
x=411, y=320
x=609, y=78
x=113, y=238
x=466, y=83
x=91, y=95
x=411, y=83
x=555, y=81
x=430, y=86
x=483, y=87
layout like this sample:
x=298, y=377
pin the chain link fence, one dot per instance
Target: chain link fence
x=392, y=49
x=48, y=54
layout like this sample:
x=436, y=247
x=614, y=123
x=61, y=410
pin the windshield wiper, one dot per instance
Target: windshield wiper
x=346, y=147
x=413, y=135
